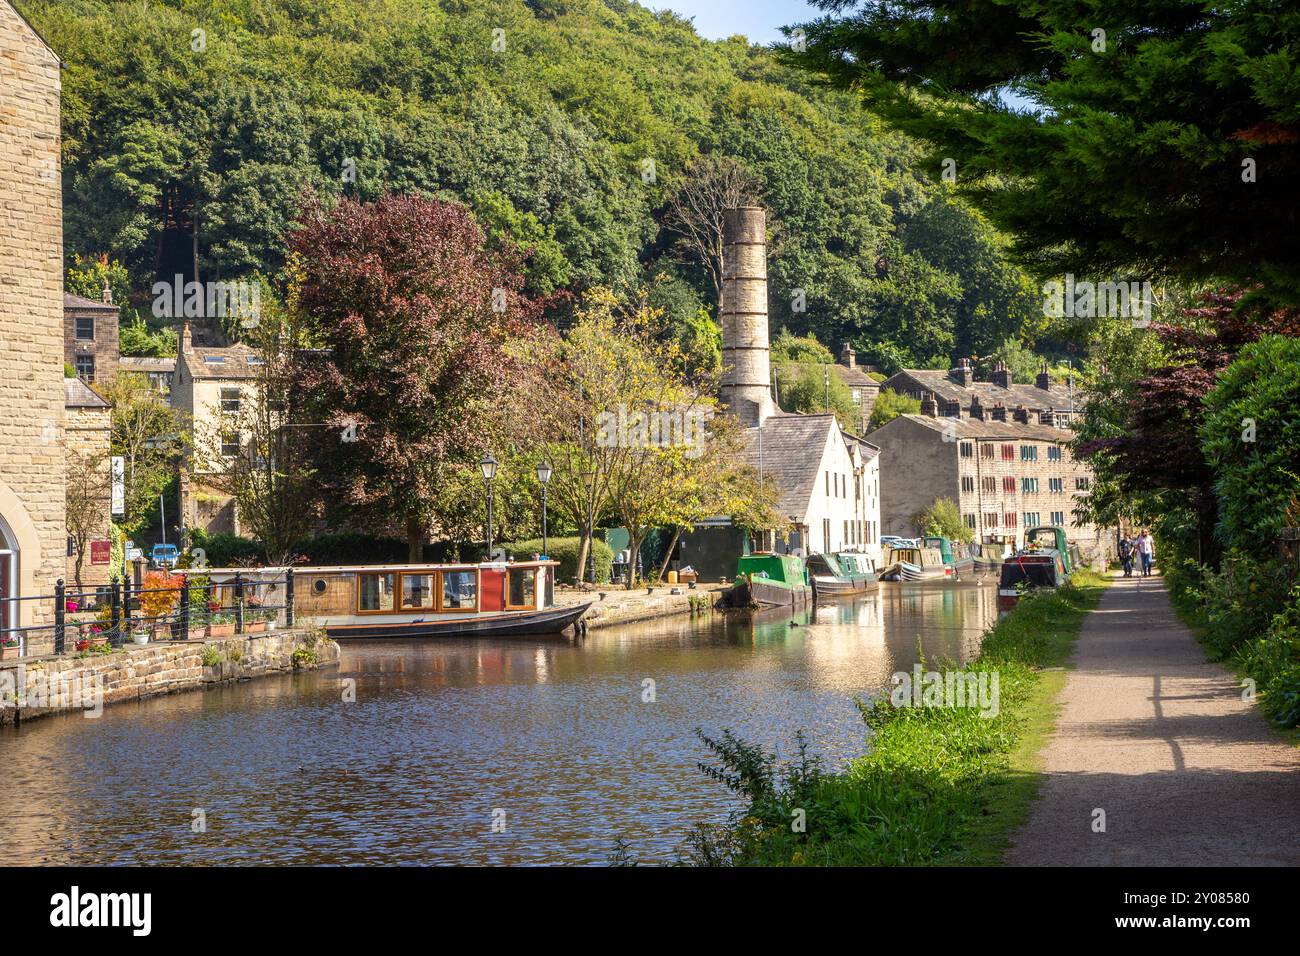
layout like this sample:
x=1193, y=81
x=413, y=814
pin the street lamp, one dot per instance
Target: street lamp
x=544, y=478
x=590, y=478
x=489, y=467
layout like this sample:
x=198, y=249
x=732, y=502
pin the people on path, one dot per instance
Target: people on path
x=1146, y=549
x=1126, y=554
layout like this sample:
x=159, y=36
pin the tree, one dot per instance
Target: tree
x=713, y=184
x=1182, y=116
x=944, y=518
x=1251, y=438
x=889, y=405
x=88, y=494
x=415, y=314
x=150, y=436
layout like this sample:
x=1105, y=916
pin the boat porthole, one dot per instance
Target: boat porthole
x=319, y=586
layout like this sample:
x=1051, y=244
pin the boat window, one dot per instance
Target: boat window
x=459, y=590
x=375, y=592
x=523, y=588
x=319, y=586
x=417, y=590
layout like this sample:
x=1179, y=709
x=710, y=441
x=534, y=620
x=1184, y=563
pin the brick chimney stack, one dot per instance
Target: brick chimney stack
x=1044, y=380
x=1002, y=375
x=107, y=293
x=848, y=357
x=976, y=409
x=962, y=374
x=929, y=406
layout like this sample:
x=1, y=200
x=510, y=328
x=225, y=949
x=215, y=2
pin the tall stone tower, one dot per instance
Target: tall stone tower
x=746, y=363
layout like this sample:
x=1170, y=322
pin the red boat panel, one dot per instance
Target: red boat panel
x=492, y=590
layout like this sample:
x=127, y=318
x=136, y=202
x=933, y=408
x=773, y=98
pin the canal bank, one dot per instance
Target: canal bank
x=615, y=605
x=944, y=782
x=42, y=686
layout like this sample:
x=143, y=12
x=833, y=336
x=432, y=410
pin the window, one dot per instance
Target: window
x=828, y=484
x=86, y=330
x=990, y=519
x=1081, y=484
x=1056, y=485
x=1009, y=485
x=230, y=400
x=1058, y=518
x=523, y=588
x=967, y=483
x=459, y=590
x=255, y=360
x=1053, y=452
x=989, y=485
x=970, y=521
x=967, y=450
x=847, y=538
x=1010, y=518
x=986, y=451
x=86, y=367
x=230, y=444
x=417, y=590
x=1029, y=486
x=826, y=534
x=1029, y=453
x=1008, y=452
x=375, y=592
x=214, y=359
x=1031, y=518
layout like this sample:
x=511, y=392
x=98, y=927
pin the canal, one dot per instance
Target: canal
x=468, y=752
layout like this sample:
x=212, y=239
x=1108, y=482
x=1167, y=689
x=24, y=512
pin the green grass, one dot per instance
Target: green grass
x=941, y=785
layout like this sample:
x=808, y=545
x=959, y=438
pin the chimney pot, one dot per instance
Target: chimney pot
x=929, y=406
x=1002, y=375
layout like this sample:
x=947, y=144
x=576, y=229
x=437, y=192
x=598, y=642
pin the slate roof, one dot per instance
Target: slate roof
x=146, y=363
x=1057, y=396
x=76, y=303
x=855, y=377
x=791, y=456
x=77, y=394
x=975, y=429
x=233, y=364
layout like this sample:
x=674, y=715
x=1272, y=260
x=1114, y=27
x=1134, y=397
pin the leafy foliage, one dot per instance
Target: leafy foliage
x=943, y=517
x=889, y=405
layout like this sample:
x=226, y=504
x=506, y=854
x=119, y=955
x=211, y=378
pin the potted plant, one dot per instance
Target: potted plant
x=9, y=648
x=141, y=636
x=158, y=597
x=254, y=621
x=222, y=624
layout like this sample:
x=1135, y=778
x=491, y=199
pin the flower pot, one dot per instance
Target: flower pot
x=83, y=644
x=9, y=652
x=140, y=637
x=221, y=630
x=198, y=633
x=255, y=627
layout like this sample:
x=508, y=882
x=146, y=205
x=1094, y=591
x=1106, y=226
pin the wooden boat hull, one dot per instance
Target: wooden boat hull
x=551, y=620
x=768, y=594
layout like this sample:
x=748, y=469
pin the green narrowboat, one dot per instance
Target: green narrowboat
x=833, y=575
x=770, y=580
x=956, y=556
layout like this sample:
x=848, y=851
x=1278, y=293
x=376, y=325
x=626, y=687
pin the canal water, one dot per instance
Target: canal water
x=468, y=752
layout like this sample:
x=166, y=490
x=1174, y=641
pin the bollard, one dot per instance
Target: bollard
x=239, y=603
x=288, y=598
x=60, y=608
x=183, y=610
x=115, y=614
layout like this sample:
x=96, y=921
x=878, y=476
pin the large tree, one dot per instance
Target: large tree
x=415, y=314
x=1164, y=139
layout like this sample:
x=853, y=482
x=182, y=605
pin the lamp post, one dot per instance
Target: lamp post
x=544, y=478
x=489, y=467
x=590, y=477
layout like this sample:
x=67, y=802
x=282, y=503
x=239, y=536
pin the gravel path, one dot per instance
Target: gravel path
x=1185, y=770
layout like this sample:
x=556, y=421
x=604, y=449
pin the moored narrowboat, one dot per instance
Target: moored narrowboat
x=903, y=563
x=771, y=580
x=492, y=599
x=834, y=575
x=956, y=556
x=1044, y=563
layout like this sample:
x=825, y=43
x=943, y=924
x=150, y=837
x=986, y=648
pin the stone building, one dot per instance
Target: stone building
x=957, y=391
x=90, y=336
x=862, y=386
x=210, y=390
x=1005, y=474
x=159, y=371
x=88, y=432
x=33, y=543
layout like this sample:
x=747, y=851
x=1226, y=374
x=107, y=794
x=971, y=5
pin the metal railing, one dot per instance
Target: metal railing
x=190, y=605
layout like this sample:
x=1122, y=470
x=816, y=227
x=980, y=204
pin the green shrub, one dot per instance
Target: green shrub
x=211, y=655
x=303, y=657
x=225, y=550
x=564, y=550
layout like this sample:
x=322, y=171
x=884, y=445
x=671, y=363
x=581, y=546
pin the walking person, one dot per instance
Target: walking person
x=1146, y=551
x=1126, y=554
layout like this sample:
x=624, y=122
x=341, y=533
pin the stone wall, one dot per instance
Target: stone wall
x=37, y=687
x=31, y=316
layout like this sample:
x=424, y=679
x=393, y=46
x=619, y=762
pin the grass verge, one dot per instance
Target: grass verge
x=942, y=784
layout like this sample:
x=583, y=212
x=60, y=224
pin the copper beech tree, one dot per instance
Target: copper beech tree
x=418, y=320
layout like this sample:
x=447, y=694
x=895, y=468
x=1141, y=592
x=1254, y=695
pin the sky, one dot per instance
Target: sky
x=756, y=19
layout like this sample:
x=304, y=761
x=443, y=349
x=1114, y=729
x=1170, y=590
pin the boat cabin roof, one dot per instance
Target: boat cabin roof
x=387, y=568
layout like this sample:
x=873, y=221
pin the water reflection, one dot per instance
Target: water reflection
x=442, y=734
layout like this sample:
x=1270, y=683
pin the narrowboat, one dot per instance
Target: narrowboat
x=492, y=599
x=841, y=573
x=904, y=563
x=1045, y=562
x=770, y=580
x=956, y=556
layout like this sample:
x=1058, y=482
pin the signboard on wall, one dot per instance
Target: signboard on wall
x=119, y=485
x=100, y=552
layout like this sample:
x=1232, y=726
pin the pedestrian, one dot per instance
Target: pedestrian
x=1126, y=554
x=1146, y=551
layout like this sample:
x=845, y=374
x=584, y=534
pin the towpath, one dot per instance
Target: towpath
x=1159, y=739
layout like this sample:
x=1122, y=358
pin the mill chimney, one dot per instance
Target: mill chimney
x=746, y=363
